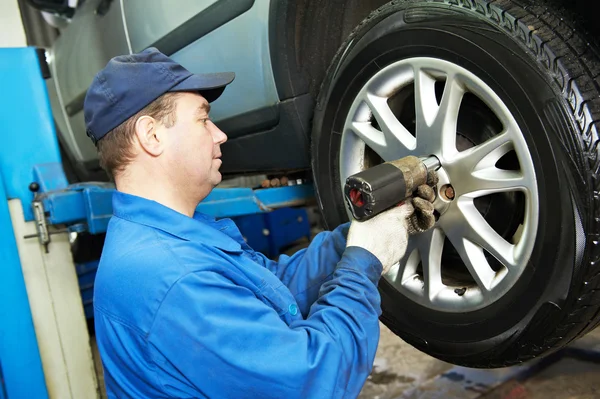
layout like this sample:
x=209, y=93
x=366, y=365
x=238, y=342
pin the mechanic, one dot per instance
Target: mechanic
x=183, y=306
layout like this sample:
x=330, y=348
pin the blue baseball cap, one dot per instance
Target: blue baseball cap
x=130, y=82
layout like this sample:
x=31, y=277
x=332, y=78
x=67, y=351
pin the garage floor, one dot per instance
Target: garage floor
x=402, y=372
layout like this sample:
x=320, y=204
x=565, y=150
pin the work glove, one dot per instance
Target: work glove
x=386, y=235
x=422, y=217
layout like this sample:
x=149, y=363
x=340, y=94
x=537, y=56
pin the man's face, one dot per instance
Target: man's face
x=193, y=145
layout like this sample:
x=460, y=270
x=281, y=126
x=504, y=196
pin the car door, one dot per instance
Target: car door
x=95, y=34
x=215, y=36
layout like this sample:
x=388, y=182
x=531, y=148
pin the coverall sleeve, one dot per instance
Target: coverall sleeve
x=228, y=343
x=305, y=271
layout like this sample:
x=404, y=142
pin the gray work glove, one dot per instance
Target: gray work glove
x=422, y=217
x=386, y=235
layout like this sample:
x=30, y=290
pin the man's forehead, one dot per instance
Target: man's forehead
x=194, y=100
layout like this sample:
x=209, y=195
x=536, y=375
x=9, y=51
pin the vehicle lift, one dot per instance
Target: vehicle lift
x=45, y=347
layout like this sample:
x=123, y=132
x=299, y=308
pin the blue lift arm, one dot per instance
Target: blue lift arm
x=88, y=206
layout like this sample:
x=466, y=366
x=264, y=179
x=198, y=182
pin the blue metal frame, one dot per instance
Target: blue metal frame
x=89, y=206
x=232, y=202
x=19, y=353
x=29, y=139
x=27, y=124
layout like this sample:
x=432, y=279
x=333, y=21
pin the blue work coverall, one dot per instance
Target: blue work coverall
x=185, y=308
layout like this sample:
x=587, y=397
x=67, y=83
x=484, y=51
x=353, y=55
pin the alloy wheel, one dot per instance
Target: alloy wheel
x=417, y=107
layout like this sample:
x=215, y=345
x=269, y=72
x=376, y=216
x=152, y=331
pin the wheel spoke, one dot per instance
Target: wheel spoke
x=426, y=105
x=431, y=245
x=393, y=131
x=407, y=267
x=470, y=234
x=447, y=116
x=374, y=139
x=489, y=181
x=436, y=124
x=481, y=233
x=486, y=154
x=475, y=261
x=476, y=172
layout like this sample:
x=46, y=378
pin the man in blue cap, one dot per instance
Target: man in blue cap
x=183, y=306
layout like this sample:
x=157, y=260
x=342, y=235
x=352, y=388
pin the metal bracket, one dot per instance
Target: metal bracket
x=40, y=224
x=43, y=234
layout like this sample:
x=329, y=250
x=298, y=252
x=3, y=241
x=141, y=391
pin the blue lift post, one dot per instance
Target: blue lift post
x=29, y=139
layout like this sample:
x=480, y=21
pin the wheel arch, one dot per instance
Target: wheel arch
x=304, y=36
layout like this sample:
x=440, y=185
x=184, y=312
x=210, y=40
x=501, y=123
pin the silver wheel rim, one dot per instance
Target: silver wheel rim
x=472, y=172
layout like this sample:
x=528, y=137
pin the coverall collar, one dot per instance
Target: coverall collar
x=201, y=228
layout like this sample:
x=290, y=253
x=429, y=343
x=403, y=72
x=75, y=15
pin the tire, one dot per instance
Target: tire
x=547, y=75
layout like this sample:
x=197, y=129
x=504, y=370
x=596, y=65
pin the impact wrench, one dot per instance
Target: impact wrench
x=381, y=187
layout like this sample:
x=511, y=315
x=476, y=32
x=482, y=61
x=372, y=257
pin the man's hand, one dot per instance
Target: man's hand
x=386, y=235
x=421, y=218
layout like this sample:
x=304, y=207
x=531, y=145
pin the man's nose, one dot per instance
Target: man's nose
x=219, y=137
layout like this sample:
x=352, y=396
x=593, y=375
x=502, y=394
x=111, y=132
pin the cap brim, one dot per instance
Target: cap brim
x=209, y=85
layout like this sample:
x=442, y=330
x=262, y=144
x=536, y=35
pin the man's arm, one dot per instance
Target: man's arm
x=305, y=271
x=382, y=236
x=227, y=343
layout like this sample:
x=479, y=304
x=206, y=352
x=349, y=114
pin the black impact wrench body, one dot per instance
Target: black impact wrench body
x=381, y=187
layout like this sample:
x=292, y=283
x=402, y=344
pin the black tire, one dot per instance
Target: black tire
x=547, y=74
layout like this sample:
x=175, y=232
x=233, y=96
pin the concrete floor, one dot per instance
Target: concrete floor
x=402, y=372
x=399, y=367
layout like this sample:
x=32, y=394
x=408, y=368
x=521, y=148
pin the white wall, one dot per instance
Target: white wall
x=12, y=33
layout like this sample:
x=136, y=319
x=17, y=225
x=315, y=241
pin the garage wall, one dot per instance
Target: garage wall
x=12, y=33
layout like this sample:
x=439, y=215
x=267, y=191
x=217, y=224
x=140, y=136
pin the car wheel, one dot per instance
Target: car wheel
x=506, y=97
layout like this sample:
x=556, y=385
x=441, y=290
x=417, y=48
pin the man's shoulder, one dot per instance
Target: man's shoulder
x=139, y=265
x=138, y=245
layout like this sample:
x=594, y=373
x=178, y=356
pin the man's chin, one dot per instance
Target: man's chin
x=216, y=178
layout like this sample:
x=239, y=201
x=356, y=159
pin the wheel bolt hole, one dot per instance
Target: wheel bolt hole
x=447, y=192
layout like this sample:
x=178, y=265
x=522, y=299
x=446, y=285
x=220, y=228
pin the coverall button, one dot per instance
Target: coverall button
x=293, y=309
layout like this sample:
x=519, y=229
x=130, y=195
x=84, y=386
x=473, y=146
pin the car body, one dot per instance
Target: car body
x=266, y=111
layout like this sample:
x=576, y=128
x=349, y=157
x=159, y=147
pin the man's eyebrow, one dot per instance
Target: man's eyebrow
x=203, y=107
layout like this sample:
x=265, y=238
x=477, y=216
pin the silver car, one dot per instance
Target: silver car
x=505, y=93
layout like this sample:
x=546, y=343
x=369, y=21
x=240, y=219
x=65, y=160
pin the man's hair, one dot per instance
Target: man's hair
x=115, y=149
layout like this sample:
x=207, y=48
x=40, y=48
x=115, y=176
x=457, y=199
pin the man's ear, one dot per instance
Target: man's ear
x=149, y=136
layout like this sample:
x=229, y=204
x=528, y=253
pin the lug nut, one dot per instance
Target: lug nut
x=449, y=192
